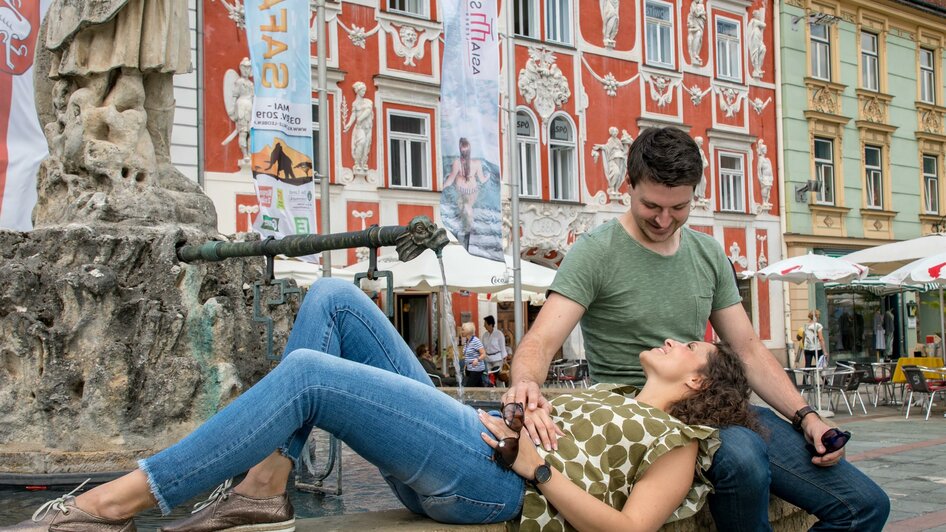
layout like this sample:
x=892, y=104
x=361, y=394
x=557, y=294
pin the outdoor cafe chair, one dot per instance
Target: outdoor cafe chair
x=804, y=388
x=565, y=373
x=495, y=371
x=839, y=381
x=918, y=384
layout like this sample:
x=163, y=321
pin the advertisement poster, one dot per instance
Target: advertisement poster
x=469, y=120
x=22, y=143
x=281, y=128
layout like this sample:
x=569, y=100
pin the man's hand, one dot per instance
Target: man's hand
x=814, y=427
x=538, y=411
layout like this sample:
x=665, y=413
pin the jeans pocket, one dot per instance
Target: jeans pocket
x=460, y=510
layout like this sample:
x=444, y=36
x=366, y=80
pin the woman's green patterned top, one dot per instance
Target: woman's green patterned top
x=610, y=441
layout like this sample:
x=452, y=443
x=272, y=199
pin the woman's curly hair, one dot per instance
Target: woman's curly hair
x=724, y=397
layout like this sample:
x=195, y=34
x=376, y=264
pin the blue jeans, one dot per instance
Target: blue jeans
x=746, y=466
x=346, y=370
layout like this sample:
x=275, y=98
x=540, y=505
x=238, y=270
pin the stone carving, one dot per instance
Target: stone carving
x=583, y=222
x=730, y=100
x=756, y=41
x=235, y=12
x=357, y=34
x=736, y=256
x=362, y=118
x=238, y=101
x=699, y=193
x=696, y=93
x=874, y=110
x=931, y=121
x=542, y=83
x=762, y=261
x=766, y=176
x=408, y=43
x=696, y=26
x=824, y=100
x=662, y=88
x=362, y=253
x=610, y=15
x=615, y=152
x=758, y=105
x=608, y=81
x=107, y=107
x=545, y=225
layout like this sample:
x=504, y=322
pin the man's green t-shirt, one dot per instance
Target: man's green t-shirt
x=635, y=298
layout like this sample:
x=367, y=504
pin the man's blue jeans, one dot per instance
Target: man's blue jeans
x=746, y=465
x=347, y=371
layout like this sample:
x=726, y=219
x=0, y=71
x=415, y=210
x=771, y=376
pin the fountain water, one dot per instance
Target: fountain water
x=449, y=328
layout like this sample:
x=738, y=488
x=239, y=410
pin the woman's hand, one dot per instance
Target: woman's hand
x=528, y=458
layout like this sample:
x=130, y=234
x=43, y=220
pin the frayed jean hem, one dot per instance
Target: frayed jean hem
x=153, y=486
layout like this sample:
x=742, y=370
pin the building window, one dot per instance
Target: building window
x=824, y=170
x=413, y=7
x=558, y=21
x=528, y=139
x=873, y=178
x=526, y=19
x=931, y=184
x=732, y=179
x=562, y=160
x=869, y=61
x=820, y=52
x=659, y=30
x=927, y=76
x=409, y=149
x=728, y=50
x=315, y=138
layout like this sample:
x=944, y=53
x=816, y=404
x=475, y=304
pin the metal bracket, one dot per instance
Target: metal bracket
x=812, y=185
x=284, y=290
x=373, y=274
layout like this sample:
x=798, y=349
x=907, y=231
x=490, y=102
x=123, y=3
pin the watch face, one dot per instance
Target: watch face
x=543, y=474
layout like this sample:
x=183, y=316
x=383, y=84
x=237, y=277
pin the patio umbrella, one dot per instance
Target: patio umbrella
x=888, y=257
x=811, y=267
x=305, y=273
x=931, y=270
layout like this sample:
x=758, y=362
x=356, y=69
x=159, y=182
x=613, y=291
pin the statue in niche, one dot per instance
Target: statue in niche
x=756, y=41
x=766, y=176
x=362, y=118
x=610, y=17
x=238, y=100
x=696, y=25
x=699, y=193
x=107, y=107
x=615, y=158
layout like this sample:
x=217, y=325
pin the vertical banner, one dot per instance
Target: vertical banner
x=22, y=143
x=469, y=127
x=281, y=128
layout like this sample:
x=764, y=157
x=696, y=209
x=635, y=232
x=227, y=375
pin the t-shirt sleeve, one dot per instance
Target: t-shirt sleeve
x=727, y=293
x=578, y=275
x=476, y=344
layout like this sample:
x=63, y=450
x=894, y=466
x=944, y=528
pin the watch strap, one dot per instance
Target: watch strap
x=542, y=474
x=800, y=415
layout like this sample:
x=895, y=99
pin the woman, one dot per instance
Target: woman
x=465, y=176
x=427, y=362
x=349, y=372
x=474, y=356
x=814, y=340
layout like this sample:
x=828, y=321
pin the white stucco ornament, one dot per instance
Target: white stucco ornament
x=408, y=43
x=610, y=16
x=696, y=25
x=758, y=105
x=608, y=82
x=766, y=176
x=696, y=93
x=542, y=83
x=755, y=36
x=730, y=100
x=615, y=152
x=661, y=88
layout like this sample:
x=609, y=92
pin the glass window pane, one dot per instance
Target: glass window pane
x=561, y=129
x=653, y=52
x=725, y=27
x=666, y=42
x=730, y=163
x=396, y=163
x=869, y=42
x=407, y=124
x=926, y=58
x=524, y=125
x=929, y=165
x=658, y=11
x=826, y=175
x=872, y=156
x=819, y=31
x=823, y=149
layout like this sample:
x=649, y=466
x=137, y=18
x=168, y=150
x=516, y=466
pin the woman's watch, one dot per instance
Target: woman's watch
x=800, y=415
x=542, y=474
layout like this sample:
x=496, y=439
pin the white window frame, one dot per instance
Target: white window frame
x=417, y=8
x=407, y=166
x=558, y=21
x=930, y=185
x=529, y=146
x=529, y=6
x=870, y=62
x=557, y=186
x=728, y=51
x=874, y=179
x=822, y=167
x=928, y=76
x=732, y=183
x=654, y=56
x=820, y=50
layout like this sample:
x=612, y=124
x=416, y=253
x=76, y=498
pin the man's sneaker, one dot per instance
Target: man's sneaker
x=62, y=515
x=227, y=510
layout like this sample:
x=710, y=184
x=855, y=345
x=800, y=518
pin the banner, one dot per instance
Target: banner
x=22, y=143
x=469, y=127
x=281, y=127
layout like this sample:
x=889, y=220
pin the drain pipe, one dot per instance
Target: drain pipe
x=200, y=94
x=783, y=200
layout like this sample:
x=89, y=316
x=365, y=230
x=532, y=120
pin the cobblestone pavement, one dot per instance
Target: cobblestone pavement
x=907, y=457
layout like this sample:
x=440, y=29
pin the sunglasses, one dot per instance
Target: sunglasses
x=833, y=440
x=508, y=449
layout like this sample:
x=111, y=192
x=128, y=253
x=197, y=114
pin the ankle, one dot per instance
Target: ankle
x=260, y=487
x=94, y=504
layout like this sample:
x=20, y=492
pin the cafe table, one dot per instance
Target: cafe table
x=930, y=362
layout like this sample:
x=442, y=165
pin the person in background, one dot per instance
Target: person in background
x=427, y=361
x=474, y=356
x=495, y=345
x=814, y=341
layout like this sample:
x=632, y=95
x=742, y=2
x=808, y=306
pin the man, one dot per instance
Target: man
x=495, y=344
x=642, y=278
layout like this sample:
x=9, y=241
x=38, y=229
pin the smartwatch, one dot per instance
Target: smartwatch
x=542, y=474
x=800, y=415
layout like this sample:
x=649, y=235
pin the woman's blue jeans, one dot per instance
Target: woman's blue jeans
x=746, y=466
x=346, y=370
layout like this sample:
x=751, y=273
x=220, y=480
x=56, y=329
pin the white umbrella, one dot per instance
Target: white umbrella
x=305, y=273
x=888, y=257
x=811, y=267
x=463, y=272
x=931, y=270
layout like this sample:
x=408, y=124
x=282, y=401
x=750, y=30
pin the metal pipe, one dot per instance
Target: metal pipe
x=513, y=168
x=324, y=129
